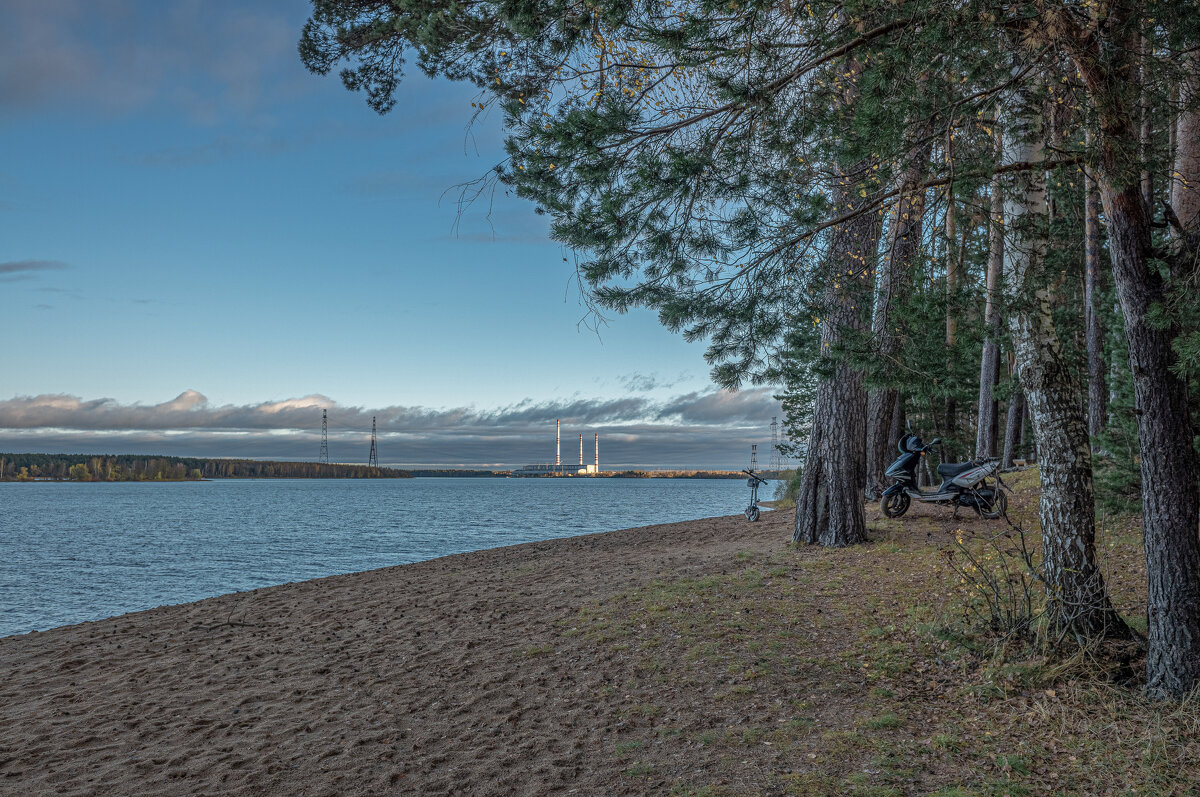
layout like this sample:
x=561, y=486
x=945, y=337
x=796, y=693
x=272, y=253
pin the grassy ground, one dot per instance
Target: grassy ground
x=868, y=671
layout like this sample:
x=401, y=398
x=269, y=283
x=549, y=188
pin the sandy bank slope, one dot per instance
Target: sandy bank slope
x=457, y=674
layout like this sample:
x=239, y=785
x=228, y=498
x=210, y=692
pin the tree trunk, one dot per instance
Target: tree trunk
x=1097, y=391
x=898, y=423
x=1076, y=598
x=829, y=506
x=1170, y=471
x=1012, y=428
x=1170, y=499
x=1146, y=134
x=989, y=368
x=903, y=247
x=1185, y=186
x=951, y=406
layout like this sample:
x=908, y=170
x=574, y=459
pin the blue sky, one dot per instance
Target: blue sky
x=186, y=213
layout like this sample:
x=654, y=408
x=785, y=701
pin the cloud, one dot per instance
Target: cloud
x=15, y=270
x=721, y=407
x=694, y=430
x=208, y=59
x=15, y=266
x=638, y=382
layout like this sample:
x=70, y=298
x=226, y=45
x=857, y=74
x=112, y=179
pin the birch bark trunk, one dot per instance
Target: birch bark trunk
x=1077, y=600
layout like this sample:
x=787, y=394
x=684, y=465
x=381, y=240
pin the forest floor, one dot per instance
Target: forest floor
x=700, y=658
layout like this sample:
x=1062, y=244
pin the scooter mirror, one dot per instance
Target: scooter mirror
x=936, y=441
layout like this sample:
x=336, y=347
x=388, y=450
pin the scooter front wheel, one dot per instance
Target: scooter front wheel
x=752, y=513
x=896, y=504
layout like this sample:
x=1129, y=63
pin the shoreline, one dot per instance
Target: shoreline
x=393, y=679
x=355, y=573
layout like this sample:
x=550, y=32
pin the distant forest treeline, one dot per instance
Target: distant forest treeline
x=133, y=468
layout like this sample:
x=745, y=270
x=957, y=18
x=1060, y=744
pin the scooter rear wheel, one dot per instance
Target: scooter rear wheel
x=896, y=504
x=999, y=506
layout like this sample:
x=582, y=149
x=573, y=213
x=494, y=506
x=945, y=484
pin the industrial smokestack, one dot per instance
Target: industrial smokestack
x=597, y=451
x=581, y=449
x=558, y=442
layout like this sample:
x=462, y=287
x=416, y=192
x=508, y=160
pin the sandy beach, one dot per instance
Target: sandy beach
x=700, y=659
x=457, y=675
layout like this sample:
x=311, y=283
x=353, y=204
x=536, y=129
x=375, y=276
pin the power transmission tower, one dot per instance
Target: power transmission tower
x=324, y=458
x=754, y=456
x=373, y=459
x=776, y=460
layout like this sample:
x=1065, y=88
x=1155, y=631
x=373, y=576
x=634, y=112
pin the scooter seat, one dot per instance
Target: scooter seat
x=953, y=469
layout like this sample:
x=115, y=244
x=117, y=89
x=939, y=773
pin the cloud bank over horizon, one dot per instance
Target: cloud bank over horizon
x=695, y=429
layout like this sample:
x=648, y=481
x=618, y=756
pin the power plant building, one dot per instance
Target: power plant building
x=558, y=468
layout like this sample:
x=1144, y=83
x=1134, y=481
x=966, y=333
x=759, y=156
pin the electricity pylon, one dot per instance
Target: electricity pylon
x=324, y=457
x=373, y=459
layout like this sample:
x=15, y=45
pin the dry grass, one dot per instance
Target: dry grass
x=858, y=671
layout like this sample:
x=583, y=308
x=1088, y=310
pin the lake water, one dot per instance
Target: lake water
x=73, y=552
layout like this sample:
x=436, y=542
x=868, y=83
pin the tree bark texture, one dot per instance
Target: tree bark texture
x=989, y=367
x=1076, y=597
x=951, y=406
x=1146, y=134
x=1170, y=471
x=1185, y=185
x=1012, y=428
x=899, y=421
x=894, y=279
x=1094, y=331
x=829, y=506
x=1170, y=499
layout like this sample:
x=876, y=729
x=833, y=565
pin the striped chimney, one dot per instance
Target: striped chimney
x=581, y=449
x=597, y=451
x=558, y=442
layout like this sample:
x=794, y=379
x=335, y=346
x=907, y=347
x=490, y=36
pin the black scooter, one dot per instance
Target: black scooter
x=963, y=484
